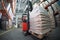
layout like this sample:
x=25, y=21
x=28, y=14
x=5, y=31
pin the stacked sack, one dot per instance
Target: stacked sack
x=42, y=18
x=51, y=14
x=40, y=22
x=58, y=20
x=56, y=7
x=52, y=9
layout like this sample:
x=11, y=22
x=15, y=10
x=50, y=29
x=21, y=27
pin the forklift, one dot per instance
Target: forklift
x=25, y=24
x=25, y=19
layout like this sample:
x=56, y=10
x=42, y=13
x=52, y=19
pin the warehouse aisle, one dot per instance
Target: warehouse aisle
x=15, y=34
x=55, y=35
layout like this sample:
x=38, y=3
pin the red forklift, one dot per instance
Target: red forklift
x=25, y=19
x=24, y=22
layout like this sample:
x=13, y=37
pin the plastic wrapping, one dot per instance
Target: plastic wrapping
x=40, y=22
x=51, y=14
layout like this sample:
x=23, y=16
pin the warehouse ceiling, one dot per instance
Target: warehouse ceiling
x=21, y=4
x=5, y=3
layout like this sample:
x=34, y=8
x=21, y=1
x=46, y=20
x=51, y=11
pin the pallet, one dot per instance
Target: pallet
x=37, y=35
x=40, y=36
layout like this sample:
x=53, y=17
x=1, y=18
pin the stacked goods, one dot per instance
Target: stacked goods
x=48, y=3
x=44, y=4
x=40, y=22
x=10, y=13
x=57, y=6
x=54, y=3
x=58, y=20
x=7, y=7
x=42, y=17
x=50, y=12
x=52, y=9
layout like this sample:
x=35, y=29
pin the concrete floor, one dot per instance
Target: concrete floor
x=16, y=34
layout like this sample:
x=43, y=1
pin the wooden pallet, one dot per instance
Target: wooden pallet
x=40, y=36
x=37, y=35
